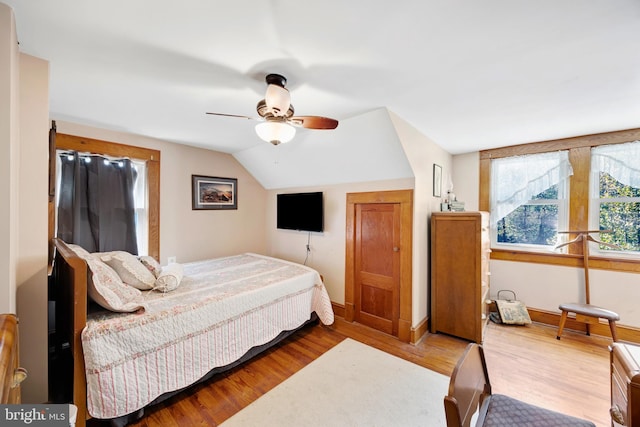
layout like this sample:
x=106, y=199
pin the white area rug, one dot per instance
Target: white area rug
x=352, y=385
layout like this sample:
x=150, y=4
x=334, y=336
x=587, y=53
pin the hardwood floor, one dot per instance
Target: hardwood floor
x=570, y=375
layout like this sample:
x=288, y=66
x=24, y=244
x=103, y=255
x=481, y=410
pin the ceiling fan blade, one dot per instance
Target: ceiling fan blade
x=314, y=122
x=231, y=115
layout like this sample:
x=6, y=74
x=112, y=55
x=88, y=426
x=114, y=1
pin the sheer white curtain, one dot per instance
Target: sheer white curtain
x=516, y=180
x=621, y=161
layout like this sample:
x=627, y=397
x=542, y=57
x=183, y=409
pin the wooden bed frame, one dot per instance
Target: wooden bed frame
x=70, y=275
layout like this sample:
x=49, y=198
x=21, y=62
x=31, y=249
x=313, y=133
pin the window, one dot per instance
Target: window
x=615, y=198
x=603, y=192
x=529, y=200
x=151, y=159
x=116, y=214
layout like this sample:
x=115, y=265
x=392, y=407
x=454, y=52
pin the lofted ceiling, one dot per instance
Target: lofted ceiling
x=468, y=74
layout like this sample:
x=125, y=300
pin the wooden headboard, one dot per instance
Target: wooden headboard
x=70, y=276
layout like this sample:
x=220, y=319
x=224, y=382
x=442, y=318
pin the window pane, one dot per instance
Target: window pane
x=530, y=225
x=618, y=210
x=623, y=219
x=612, y=188
x=528, y=200
x=141, y=203
x=550, y=193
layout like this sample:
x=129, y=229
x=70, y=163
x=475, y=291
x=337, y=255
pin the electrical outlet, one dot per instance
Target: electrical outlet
x=171, y=259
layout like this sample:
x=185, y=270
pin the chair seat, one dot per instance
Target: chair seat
x=505, y=411
x=590, y=310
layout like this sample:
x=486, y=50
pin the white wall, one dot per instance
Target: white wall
x=195, y=234
x=9, y=160
x=466, y=179
x=327, y=248
x=328, y=157
x=546, y=286
x=23, y=215
x=422, y=153
x=543, y=286
x=31, y=270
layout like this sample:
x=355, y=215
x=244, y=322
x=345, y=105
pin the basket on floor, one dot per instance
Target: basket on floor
x=510, y=311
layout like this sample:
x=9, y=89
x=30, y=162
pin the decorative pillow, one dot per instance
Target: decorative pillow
x=152, y=265
x=130, y=269
x=169, y=278
x=79, y=250
x=109, y=291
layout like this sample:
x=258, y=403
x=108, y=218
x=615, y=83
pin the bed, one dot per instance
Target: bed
x=223, y=312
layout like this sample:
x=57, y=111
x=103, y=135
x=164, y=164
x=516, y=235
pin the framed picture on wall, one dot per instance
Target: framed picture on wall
x=437, y=180
x=209, y=192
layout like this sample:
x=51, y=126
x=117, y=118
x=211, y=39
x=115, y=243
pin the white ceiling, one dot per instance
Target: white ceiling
x=469, y=74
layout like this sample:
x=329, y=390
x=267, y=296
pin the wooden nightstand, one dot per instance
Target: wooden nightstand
x=625, y=385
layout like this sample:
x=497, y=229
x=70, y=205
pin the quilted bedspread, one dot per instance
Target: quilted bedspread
x=221, y=309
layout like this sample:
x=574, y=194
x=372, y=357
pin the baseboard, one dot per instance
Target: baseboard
x=625, y=333
x=338, y=309
x=419, y=331
x=413, y=334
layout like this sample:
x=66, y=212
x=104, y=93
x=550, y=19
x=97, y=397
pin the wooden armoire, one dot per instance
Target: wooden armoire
x=460, y=251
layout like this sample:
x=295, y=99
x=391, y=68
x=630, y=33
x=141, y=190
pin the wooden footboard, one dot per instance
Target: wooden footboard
x=70, y=275
x=10, y=373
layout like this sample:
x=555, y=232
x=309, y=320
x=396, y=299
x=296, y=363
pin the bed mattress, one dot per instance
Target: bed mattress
x=222, y=308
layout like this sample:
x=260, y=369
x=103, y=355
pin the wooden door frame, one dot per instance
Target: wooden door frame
x=405, y=199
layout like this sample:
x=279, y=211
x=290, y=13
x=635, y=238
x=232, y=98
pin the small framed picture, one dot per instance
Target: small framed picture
x=209, y=192
x=437, y=180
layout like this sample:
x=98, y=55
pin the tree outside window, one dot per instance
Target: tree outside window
x=615, y=202
x=532, y=223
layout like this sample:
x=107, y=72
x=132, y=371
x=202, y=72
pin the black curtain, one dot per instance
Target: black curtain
x=96, y=208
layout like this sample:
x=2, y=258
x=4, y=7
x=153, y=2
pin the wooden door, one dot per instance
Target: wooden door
x=377, y=266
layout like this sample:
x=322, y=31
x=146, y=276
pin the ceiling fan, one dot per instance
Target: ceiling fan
x=276, y=112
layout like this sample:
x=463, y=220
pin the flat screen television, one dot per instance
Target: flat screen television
x=300, y=211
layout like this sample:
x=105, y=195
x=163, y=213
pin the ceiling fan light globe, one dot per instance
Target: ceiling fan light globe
x=275, y=132
x=277, y=99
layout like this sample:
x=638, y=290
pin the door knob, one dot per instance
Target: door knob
x=396, y=249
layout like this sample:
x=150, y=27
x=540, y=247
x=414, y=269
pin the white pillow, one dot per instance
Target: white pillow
x=79, y=250
x=152, y=265
x=169, y=278
x=130, y=269
x=109, y=291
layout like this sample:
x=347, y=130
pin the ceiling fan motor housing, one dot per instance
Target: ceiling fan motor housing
x=276, y=79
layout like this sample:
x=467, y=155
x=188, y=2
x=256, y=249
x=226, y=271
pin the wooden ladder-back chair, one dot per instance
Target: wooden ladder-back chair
x=470, y=389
